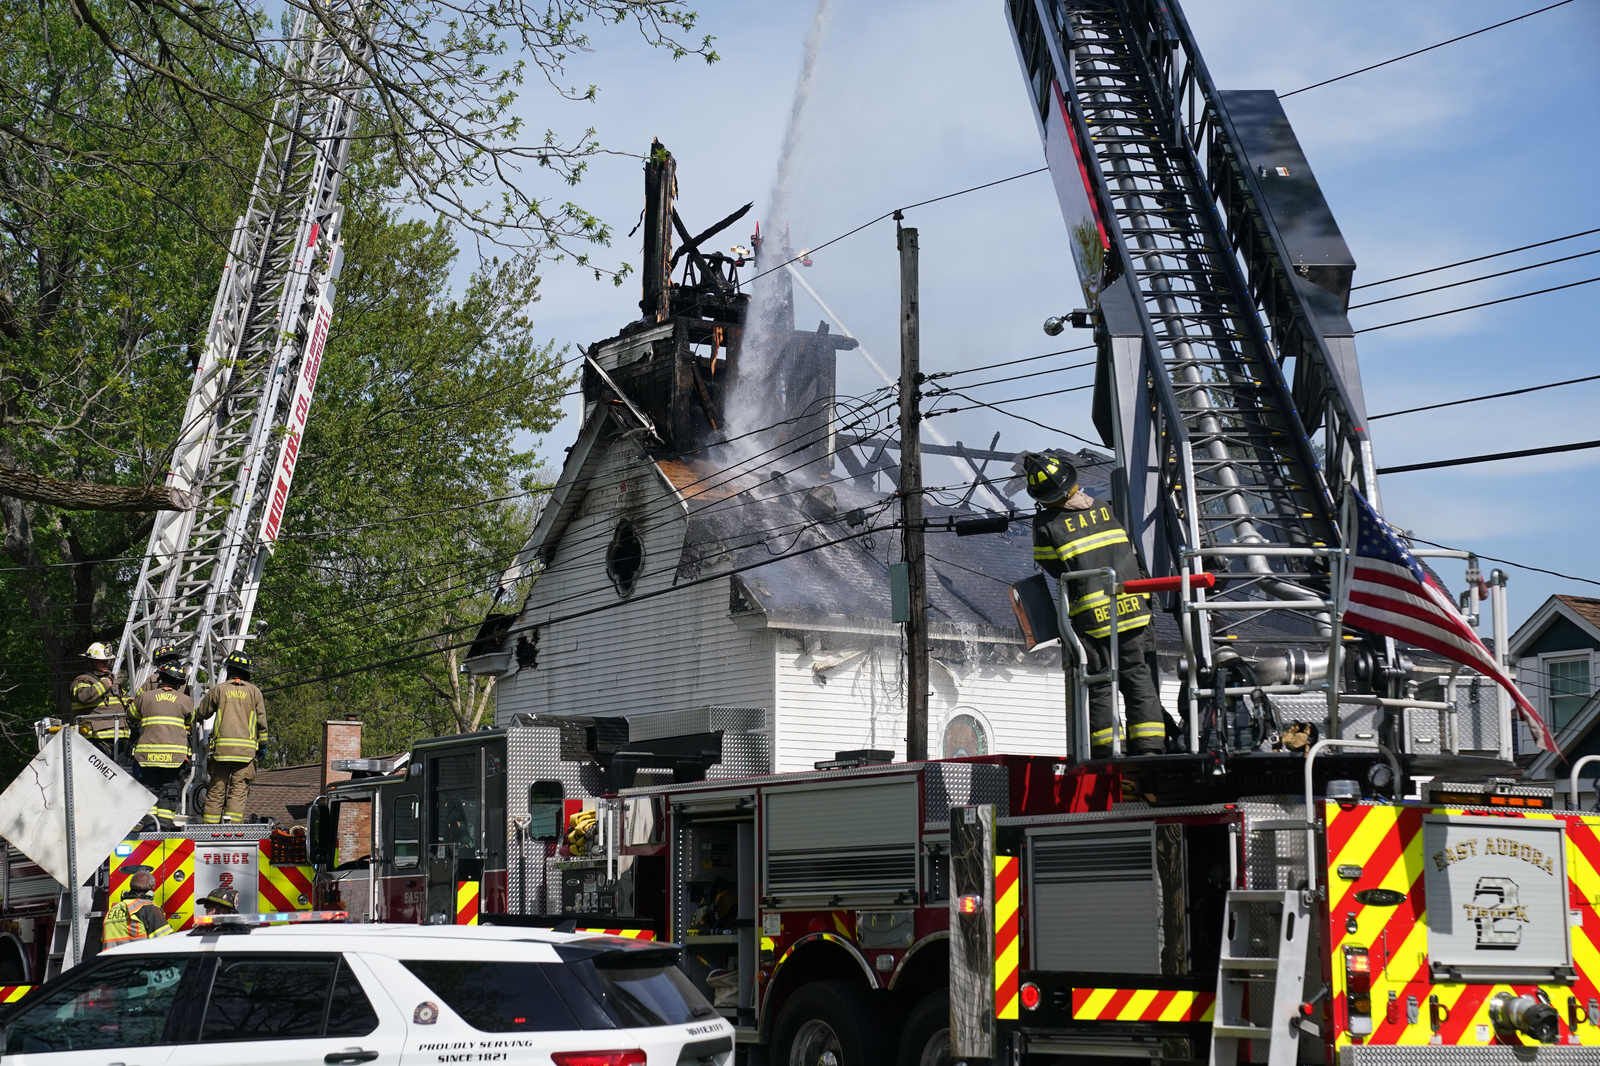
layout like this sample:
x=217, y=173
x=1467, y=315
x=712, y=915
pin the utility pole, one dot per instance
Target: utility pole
x=911, y=498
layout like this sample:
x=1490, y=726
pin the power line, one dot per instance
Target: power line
x=1492, y=457
x=1485, y=396
x=1475, y=259
x=1014, y=399
x=1485, y=303
x=1019, y=418
x=1480, y=277
x=1013, y=377
x=1508, y=562
x=1012, y=362
x=1420, y=51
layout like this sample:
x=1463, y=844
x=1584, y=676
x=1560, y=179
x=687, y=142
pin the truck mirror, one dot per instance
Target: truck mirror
x=546, y=804
x=320, y=834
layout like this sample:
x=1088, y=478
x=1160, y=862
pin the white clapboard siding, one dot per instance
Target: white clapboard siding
x=860, y=702
x=675, y=651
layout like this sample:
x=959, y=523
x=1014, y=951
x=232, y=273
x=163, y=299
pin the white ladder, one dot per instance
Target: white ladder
x=1263, y=954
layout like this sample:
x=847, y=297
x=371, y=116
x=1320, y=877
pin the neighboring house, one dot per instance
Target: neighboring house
x=1556, y=654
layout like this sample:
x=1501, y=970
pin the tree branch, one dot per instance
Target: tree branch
x=91, y=495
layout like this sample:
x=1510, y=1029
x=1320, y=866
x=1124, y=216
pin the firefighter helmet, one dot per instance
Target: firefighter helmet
x=238, y=664
x=171, y=671
x=1051, y=476
x=224, y=900
x=168, y=653
x=100, y=651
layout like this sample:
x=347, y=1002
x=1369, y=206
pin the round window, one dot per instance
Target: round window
x=965, y=735
x=624, y=558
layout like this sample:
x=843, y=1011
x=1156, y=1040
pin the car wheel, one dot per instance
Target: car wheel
x=826, y=1024
x=925, y=1037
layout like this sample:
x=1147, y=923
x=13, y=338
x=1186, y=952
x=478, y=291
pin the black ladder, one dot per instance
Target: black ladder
x=1240, y=469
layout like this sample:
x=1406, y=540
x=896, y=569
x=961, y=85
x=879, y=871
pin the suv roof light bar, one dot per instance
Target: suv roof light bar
x=244, y=923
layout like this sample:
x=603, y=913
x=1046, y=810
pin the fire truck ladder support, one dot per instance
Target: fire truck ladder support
x=1238, y=466
x=1261, y=977
x=252, y=386
x=61, y=930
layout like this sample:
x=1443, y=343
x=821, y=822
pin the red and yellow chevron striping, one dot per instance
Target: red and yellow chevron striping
x=467, y=902
x=171, y=863
x=626, y=934
x=1007, y=934
x=1381, y=846
x=1141, y=1005
x=12, y=993
x=282, y=888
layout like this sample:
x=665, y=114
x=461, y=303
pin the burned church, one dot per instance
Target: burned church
x=700, y=568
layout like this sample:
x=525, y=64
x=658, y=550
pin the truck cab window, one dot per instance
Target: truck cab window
x=405, y=842
x=455, y=805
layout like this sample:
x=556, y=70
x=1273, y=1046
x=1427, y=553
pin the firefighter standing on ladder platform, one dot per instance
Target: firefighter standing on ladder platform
x=1073, y=532
x=96, y=692
x=163, y=715
x=239, y=739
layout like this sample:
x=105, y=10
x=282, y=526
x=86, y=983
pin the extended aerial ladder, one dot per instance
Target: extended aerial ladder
x=1218, y=283
x=247, y=410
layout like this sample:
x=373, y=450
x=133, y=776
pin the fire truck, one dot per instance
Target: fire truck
x=235, y=458
x=1336, y=862
x=1300, y=908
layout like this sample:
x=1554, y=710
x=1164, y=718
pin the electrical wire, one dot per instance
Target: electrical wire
x=1475, y=259
x=1485, y=303
x=1507, y=562
x=1485, y=396
x=1011, y=362
x=1420, y=51
x=1493, y=457
x=1480, y=277
x=1015, y=377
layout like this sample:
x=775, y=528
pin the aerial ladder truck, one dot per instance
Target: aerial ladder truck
x=1387, y=893
x=235, y=458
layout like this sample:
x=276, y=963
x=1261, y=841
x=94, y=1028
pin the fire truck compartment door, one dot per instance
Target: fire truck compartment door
x=1095, y=900
x=1497, y=895
x=841, y=844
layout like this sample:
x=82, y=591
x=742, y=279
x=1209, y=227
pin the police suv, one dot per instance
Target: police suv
x=247, y=993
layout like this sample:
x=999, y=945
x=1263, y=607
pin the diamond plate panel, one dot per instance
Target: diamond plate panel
x=961, y=784
x=1427, y=1055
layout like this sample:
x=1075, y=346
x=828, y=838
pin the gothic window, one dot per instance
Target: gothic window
x=624, y=558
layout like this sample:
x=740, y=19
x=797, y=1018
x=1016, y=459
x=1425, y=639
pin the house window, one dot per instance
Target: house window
x=624, y=558
x=1568, y=688
x=965, y=735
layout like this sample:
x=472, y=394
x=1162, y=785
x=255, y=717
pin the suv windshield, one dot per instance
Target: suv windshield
x=505, y=997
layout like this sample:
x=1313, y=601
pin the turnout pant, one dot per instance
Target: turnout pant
x=229, y=790
x=167, y=783
x=1147, y=723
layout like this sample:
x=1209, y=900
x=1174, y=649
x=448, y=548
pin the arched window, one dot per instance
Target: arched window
x=624, y=558
x=964, y=734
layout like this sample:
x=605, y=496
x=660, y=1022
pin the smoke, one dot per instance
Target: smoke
x=757, y=398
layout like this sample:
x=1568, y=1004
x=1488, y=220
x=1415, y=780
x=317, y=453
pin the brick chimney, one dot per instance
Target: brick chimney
x=340, y=740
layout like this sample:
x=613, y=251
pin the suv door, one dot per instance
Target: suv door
x=266, y=1009
x=132, y=1009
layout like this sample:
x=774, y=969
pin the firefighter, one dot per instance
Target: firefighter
x=96, y=692
x=237, y=742
x=136, y=916
x=1074, y=532
x=224, y=900
x=163, y=715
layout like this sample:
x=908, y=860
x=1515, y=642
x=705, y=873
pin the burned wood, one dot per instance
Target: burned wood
x=692, y=244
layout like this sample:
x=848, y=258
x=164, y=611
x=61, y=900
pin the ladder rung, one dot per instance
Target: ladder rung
x=1249, y=964
x=1241, y=1032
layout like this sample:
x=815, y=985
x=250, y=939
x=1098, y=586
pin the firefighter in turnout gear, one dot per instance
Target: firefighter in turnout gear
x=163, y=715
x=237, y=740
x=98, y=705
x=1072, y=532
x=136, y=916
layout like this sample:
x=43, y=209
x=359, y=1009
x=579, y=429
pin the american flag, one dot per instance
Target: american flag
x=1390, y=594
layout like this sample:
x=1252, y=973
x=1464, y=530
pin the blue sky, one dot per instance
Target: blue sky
x=1474, y=148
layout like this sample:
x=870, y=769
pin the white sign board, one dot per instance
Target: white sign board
x=106, y=805
x=1497, y=893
